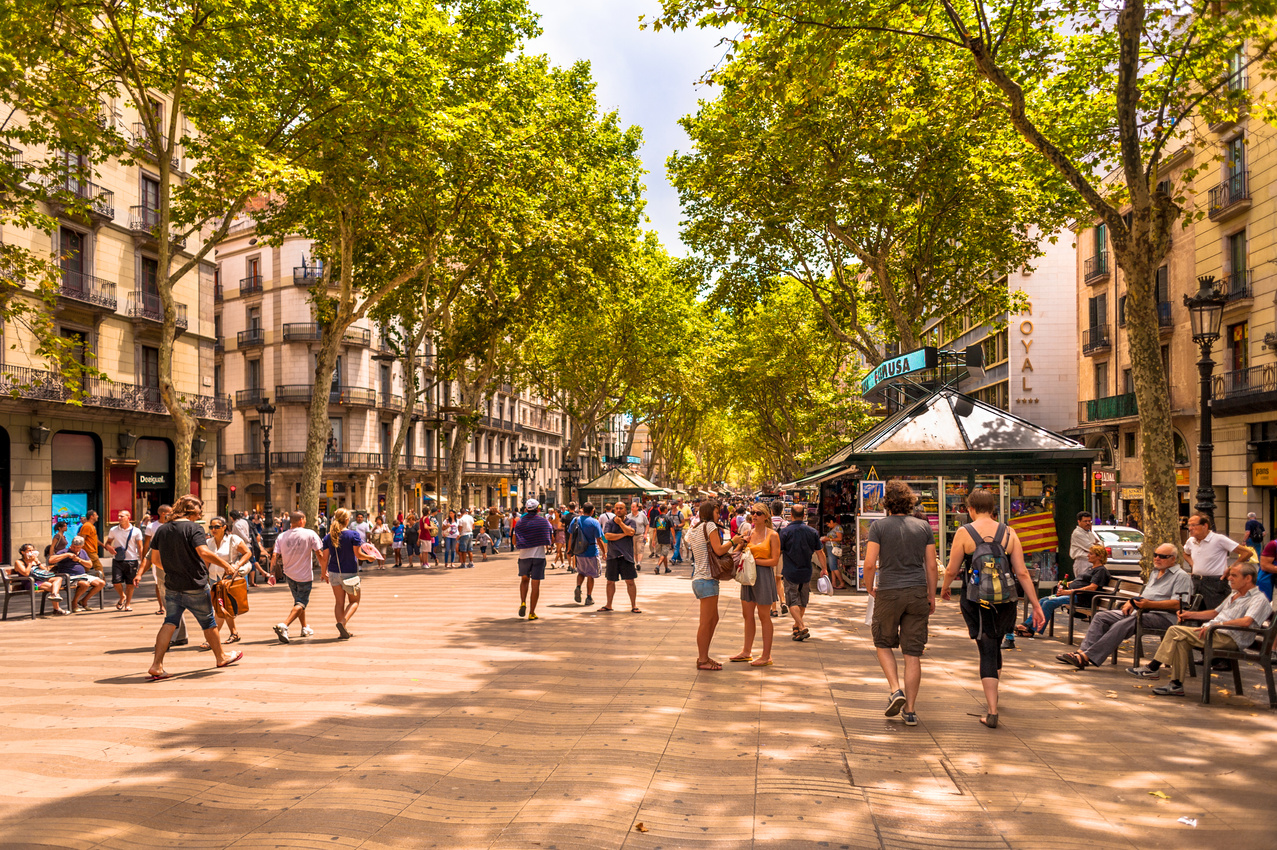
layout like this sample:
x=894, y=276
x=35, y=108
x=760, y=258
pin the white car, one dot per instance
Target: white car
x=1123, y=544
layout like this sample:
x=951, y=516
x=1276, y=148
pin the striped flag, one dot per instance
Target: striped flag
x=1036, y=532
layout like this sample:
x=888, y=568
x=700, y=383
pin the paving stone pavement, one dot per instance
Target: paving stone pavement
x=449, y=722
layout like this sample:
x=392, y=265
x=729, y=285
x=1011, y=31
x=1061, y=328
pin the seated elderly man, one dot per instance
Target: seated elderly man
x=73, y=564
x=1243, y=608
x=29, y=567
x=1167, y=587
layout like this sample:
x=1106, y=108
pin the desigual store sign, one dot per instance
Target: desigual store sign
x=152, y=479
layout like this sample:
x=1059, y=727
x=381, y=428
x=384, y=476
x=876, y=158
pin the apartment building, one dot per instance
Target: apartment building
x=1236, y=243
x=1031, y=358
x=267, y=342
x=109, y=446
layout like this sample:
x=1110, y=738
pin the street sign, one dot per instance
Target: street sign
x=914, y=361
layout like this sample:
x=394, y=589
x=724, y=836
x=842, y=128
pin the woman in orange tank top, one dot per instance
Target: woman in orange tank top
x=756, y=600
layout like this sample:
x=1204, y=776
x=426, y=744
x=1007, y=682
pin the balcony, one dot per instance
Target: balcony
x=249, y=285
x=217, y=292
x=251, y=338
x=250, y=397
x=1096, y=268
x=357, y=336
x=1235, y=287
x=302, y=332
x=332, y=460
x=219, y=346
x=1111, y=407
x=497, y=424
x=349, y=396
x=146, y=307
x=307, y=275
x=252, y=460
x=39, y=385
x=100, y=202
x=1165, y=318
x=391, y=402
x=1252, y=390
x=142, y=143
x=1096, y=340
x=87, y=290
x=1230, y=198
x=144, y=222
x=486, y=468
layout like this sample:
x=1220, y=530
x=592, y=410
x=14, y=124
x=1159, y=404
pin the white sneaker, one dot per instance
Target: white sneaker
x=307, y=631
x=281, y=632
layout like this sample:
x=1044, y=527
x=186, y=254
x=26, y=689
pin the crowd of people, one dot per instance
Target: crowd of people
x=197, y=565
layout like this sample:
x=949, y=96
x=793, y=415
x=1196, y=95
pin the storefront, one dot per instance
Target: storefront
x=76, y=477
x=944, y=447
x=154, y=474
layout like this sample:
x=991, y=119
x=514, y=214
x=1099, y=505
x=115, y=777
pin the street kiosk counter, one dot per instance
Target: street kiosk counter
x=944, y=446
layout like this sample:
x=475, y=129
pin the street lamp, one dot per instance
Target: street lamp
x=266, y=412
x=1206, y=312
x=570, y=474
x=524, y=460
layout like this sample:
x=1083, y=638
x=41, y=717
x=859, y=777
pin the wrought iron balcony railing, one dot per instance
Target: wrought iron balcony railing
x=1231, y=195
x=147, y=305
x=87, y=289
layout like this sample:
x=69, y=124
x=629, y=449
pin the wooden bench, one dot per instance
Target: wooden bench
x=16, y=586
x=1262, y=656
x=1118, y=589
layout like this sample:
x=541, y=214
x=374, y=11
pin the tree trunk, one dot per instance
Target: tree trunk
x=412, y=386
x=457, y=459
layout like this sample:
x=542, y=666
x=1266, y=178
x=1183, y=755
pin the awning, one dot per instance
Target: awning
x=816, y=479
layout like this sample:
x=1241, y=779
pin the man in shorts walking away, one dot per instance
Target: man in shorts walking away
x=902, y=555
x=587, y=562
x=532, y=535
x=798, y=543
x=180, y=548
x=295, y=549
x=622, y=539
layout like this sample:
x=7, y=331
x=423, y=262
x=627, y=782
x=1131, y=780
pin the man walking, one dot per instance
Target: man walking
x=295, y=549
x=89, y=531
x=663, y=536
x=124, y=542
x=901, y=553
x=465, y=540
x=362, y=526
x=180, y=549
x=587, y=562
x=622, y=540
x=798, y=543
x=532, y=535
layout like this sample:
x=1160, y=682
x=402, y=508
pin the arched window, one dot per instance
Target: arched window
x=1181, y=450
x=1101, y=445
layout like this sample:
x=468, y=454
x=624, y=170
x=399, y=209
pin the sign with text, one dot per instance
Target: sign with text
x=1261, y=474
x=914, y=361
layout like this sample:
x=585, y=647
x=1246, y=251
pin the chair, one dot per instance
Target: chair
x=1117, y=589
x=1143, y=630
x=1263, y=657
x=18, y=586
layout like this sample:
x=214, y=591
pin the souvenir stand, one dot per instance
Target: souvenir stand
x=944, y=445
x=616, y=485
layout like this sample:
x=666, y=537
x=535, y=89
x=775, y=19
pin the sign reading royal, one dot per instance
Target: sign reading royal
x=914, y=361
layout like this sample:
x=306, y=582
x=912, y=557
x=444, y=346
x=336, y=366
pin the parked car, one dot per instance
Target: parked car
x=1123, y=544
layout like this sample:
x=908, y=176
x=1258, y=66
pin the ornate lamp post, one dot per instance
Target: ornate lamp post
x=1206, y=311
x=524, y=460
x=570, y=474
x=266, y=411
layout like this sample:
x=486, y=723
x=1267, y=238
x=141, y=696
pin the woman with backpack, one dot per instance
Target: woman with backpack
x=991, y=560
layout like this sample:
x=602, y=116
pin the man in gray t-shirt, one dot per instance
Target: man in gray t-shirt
x=901, y=554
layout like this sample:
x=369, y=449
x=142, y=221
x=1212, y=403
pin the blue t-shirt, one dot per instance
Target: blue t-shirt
x=591, y=531
x=398, y=532
x=344, y=552
x=1265, y=583
x=70, y=566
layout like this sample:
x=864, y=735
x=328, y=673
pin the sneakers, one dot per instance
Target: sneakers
x=523, y=609
x=281, y=632
x=307, y=631
x=895, y=702
x=1008, y=643
x=589, y=600
x=1143, y=672
x=911, y=718
x=1171, y=689
x=577, y=594
x=668, y=570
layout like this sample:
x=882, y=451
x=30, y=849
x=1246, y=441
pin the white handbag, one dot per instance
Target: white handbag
x=747, y=572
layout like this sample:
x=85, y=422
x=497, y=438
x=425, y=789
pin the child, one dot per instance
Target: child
x=484, y=540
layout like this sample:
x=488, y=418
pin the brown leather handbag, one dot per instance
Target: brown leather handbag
x=721, y=567
x=232, y=594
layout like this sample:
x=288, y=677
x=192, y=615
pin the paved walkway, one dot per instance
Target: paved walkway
x=448, y=722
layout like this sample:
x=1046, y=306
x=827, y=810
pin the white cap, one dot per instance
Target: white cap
x=531, y=505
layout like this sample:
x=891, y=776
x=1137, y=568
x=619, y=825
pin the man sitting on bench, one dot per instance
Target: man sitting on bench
x=1244, y=608
x=1079, y=592
x=1159, y=600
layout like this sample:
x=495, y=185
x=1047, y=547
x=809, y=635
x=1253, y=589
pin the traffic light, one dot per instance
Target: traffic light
x=1097, y=485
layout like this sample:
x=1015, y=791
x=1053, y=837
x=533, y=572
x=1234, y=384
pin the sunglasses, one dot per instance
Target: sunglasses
x=1160, y=555
x=215, y=527
x=759, y=513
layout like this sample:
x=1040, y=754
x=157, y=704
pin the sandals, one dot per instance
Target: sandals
x=761, y=663
x=607, y=608
x=158, y=677
x=1074, y=658
x=741, y=658
x=802, y=635
x=990, y=720
x=635, y=611
x=232, y=638
x=708, y=664
x=1022, y=630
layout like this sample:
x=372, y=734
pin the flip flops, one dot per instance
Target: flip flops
x=234, y=657
x=740, y=658
x=160, y=677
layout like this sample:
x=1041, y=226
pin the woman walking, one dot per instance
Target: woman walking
x=706, y=540
x=450, y=535
x=756, y=600
x=987, y=623
x=235, y=552
x=411, y=538
x=339, y=566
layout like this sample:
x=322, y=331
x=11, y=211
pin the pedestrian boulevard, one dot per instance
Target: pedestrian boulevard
x=449, y=722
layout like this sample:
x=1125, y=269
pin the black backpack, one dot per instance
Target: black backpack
x=989, y=579
x=577, y=543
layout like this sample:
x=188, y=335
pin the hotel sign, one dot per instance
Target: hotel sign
x=914, y=361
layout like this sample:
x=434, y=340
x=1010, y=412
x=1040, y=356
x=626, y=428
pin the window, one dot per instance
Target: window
x=217, y=326
x=151, y=373
x=1098, y=310
x=1101, y=379
x=71, y=247
x=1128, y=383
x=254, y=444
x=1101, y=238
x=385, y=383
x=336, y=385
x=1238, y=258
x=1238, y=347
x=1121, y=311
x=1162, y=283
x=334, y=434
x=1235, y=161
x=151, y=279
x=1128, y=444
x=217, y=380
x=1237, y=70
x=253, y=374
x=386, y=442
x=1181, y=450
x=254, y=318
x=1166, y=363
x=995, y=348
x=253, y=268
x=150, y=198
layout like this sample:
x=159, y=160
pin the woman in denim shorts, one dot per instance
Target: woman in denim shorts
x=704, y=538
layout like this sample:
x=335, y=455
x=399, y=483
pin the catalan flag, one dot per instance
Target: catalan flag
x=1036, y=532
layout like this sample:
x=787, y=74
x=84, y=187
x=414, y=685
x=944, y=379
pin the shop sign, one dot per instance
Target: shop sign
x=1132, y=494
x=1181, y=476
x=1107, y=478
x=1263, y=474
x=152, y=479
x=914, y=361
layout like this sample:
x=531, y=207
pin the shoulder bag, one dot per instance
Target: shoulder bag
x=231, y=593
x=721, y=567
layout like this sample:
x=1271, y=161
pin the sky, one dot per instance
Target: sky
x=648, y=77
